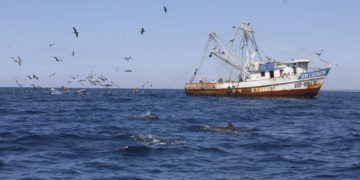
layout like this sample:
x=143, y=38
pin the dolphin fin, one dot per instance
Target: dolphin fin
x=230, y=125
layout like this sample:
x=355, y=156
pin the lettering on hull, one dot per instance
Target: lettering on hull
x=305, y=84
x=319, y=73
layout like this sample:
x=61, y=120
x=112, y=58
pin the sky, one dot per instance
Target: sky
x=173, y=42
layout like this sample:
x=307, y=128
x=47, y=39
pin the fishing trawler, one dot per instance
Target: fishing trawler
x=256, y=77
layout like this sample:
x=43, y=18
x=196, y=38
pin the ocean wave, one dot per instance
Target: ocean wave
x=12, y=148
x=97, y=145
x=150, y=140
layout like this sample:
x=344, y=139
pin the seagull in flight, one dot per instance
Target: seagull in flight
x=127, y=71
x=74, y=77
x=57, y=59
x=69, y=82
x=51, y=44
x=319, y=53
x=76, y=33
x=7, y=45
x=142, y=31
x=103, y=79
x=106, y=85
x=269, y=58
x=117, y=69
x=73, y=54
x=53, y=74
x=127, y=58
x=29, y=77
x=122, y=37
x=233, y=27
x=165, y=9
x=35, y=77
x=17, y=61
x=91, y=75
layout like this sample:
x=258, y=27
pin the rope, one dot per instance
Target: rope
x=181, y=76
x=295, y=51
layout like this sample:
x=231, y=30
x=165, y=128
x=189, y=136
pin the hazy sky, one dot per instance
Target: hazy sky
x=172, y=43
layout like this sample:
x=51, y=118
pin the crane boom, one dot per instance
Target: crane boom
x=201, y=59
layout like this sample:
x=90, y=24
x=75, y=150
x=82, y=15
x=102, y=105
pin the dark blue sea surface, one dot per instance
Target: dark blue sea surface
x=44, y=136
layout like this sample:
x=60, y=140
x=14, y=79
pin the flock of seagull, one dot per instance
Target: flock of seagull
x=102, y=80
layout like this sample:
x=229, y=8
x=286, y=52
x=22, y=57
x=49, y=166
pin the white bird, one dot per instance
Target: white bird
x=269, y=58
x=17, y=61
x=74, y=77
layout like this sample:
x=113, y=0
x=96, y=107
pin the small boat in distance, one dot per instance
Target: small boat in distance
x=66, y=91
x=255, y=76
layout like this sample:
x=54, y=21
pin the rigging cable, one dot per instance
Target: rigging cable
x=295, y=51
x=180, y=76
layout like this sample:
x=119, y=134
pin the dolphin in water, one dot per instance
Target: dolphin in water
x=229, y=129
x=145, y=116
x=149, y=116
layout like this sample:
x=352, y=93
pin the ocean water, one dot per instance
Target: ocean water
x=45, y=136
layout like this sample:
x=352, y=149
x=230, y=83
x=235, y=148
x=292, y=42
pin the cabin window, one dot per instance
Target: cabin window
x=271, y=74
x=263, y=74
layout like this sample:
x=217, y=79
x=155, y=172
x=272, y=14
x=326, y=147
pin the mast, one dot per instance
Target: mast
x=247, y=30
x=201, y=59
x=247, y=45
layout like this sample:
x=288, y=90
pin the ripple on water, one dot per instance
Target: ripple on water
x=91, y=136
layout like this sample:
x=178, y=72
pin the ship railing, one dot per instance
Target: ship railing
x=310, y=69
